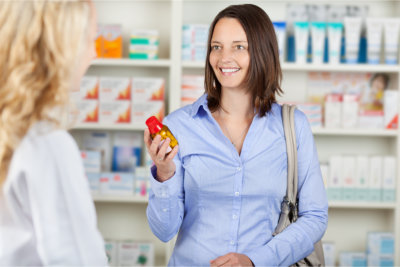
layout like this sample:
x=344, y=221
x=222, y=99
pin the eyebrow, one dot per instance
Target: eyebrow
x=232, y=42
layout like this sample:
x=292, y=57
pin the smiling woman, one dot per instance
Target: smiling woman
x=222, y=189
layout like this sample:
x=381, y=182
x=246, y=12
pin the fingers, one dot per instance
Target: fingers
x=163, y=150
x=146, y=138
x=220, y=261
x=172, y=154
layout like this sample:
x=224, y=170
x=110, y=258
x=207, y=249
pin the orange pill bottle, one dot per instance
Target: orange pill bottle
x=156, y=127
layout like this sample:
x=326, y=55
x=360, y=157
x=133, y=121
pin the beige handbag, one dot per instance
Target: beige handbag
x=289, y=206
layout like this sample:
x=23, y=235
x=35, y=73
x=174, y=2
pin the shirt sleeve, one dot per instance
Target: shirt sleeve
x=63, y=213
x=166, y=203
x=298, y=239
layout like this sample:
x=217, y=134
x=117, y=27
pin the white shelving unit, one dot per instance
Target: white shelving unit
x=124, y=217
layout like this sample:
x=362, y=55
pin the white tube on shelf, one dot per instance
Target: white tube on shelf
x=391, y=36
x=301, y=40
x=352, y=27
x=374, y=39
x=280, y=31
x=318, y=41
x=335, y=30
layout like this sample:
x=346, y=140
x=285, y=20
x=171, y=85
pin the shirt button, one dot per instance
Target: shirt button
x=164, y=210
x=234, y=217
x=232, y=242
x=238, y=169
x=237, y=194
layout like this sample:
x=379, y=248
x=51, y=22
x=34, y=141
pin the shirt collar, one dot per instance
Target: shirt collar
x=201, y=102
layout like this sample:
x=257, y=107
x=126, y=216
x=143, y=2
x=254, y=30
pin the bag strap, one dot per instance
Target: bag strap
x=291, y=148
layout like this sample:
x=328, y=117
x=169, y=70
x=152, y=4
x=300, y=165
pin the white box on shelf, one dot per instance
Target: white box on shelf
x=94, y=182
x=115, y=112
x=142, y=111
x=350, y=110
x=380, y=243
x=84, y=111
x=329, y=253
x=89, y=88
x=375, y=184
x=91, y=160
x=362, y=178
x=335, y=180
x=380, y=260
x=349, y=177
x=111, y=248
x=142, y=181
x=389, y=179
x=391, y=108
x=333, y=111
x=147, y=89
x=99, y=141
x=113, y=88
x=112, y=183
x=353, y=259
x=131, y=253
x=371, y=119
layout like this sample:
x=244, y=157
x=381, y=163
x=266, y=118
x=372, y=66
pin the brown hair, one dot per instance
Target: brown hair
x=264, y=77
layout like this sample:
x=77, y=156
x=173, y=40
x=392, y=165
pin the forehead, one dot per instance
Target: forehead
x=228, y=29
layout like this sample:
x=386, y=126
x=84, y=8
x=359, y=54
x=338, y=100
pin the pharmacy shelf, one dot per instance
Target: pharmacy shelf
x=341, y=67
x=120, y=199
x=318, y=67
x=131, y=62
x=355, y=132
x=362, y=205
x=127, y=127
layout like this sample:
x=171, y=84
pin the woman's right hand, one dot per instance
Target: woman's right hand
x=165, y=164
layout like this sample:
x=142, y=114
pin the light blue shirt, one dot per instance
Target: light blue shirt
x=221, y=202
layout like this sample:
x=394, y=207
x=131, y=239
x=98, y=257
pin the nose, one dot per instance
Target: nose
x=226, y=56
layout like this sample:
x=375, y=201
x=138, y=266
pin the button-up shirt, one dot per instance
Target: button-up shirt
x=221, y=201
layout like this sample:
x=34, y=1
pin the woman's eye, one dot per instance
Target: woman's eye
x=240, y=47
x=215, y=47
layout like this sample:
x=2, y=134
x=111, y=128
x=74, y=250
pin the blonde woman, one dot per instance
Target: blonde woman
x=47, y=216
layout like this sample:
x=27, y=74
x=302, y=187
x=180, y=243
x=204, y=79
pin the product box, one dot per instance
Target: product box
x=145, y=37
x=143, y=52
x=313, y=111
x=111, y=248
x=353, y=259
x=113, y=183
x=89, y=88
x=192, y=88
x=389, y=179
x=112, y=88
x=391, y=109
x=142, y=111
x=84, y=111
x=142, y=181
x=94, y=182
x=147, y=89
x=350, y=111
x=99, y=141
x=380, y=243
x=349, y=177
x=362, y=178
x=194, y=52
x=135, y=254
x=127, y=152
x=195, y=34
x=335, y=180
x=375, y=179
x=329, y=253
x=91, y=160
x=370, y=119
x=99, y=41
x=333, y=110
x=112, y=41
x=115, y=112
x=381, y=260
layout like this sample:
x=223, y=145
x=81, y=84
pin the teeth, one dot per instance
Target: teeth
x=229, y=70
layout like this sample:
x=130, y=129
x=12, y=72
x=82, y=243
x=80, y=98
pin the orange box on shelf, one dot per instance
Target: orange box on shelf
x=84, y=111
x=142, y=111
x=99, y=42
x=112, y=41
x=89, y=88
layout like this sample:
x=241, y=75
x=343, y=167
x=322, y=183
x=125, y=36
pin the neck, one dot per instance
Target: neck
x=236, y=104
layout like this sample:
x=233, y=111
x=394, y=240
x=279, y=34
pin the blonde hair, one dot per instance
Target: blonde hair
x=41, y=43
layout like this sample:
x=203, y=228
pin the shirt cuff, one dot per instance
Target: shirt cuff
x=263, y=256
x=164, y=189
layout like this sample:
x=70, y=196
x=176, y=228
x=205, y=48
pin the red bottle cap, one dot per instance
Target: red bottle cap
x=154, y=124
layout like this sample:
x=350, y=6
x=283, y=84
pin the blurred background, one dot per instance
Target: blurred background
x=340, y=67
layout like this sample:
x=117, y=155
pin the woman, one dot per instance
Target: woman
x=47, y=216
x=222, y=190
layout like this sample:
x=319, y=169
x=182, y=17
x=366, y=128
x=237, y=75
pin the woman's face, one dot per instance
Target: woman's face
x=229, y=56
